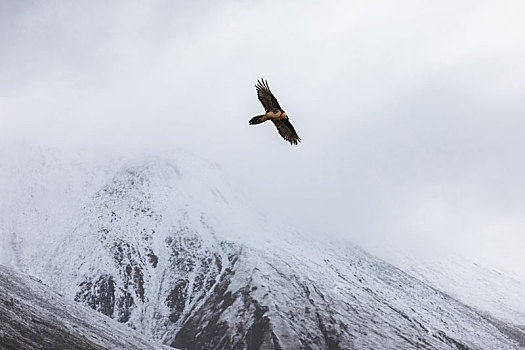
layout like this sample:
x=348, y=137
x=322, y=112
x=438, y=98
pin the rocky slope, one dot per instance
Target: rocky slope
x=32, y=316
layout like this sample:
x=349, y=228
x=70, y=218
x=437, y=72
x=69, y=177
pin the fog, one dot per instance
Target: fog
x=411, y=112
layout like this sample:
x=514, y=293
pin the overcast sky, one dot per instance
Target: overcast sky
x=412, y=113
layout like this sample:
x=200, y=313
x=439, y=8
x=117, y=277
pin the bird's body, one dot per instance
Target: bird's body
x=274, y=113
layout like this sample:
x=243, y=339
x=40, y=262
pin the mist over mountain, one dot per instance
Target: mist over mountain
x=411, y=112
x=166, y=244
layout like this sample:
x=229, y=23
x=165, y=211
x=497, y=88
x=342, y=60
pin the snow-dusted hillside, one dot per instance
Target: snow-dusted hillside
x=32, y=316
x=494, y=290
x=167, y=246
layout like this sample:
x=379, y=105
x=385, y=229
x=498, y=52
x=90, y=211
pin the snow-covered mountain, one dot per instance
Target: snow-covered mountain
x=166, y=245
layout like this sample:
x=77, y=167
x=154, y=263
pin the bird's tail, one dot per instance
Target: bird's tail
x=258, y=119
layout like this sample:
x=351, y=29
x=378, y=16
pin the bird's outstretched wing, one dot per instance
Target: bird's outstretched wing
x=266, y=97
x=287, y=131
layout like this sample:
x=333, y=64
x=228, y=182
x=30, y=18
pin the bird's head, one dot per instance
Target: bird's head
x=285, y=116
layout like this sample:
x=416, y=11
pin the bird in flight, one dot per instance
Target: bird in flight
x=275, y=113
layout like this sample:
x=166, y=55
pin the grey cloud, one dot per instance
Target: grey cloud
x=411, y=113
